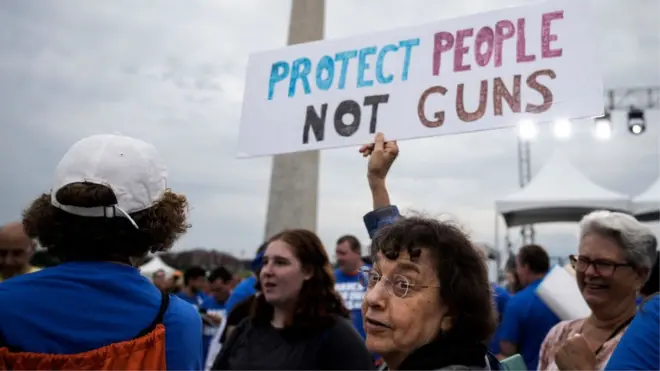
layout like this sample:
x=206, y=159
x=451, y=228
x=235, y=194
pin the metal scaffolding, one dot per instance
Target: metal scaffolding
x=625, y=98
x=615, y=99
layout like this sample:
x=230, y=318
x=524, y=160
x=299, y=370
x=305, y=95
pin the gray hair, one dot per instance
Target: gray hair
x=636, y=239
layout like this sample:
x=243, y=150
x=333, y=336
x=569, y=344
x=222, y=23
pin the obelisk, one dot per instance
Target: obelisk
x=294, y=181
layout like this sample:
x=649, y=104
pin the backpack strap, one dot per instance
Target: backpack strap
x=164, y=304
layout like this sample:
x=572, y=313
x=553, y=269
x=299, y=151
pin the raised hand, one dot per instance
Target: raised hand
x=381, y=157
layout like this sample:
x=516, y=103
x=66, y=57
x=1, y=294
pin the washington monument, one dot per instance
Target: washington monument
x=294, y=182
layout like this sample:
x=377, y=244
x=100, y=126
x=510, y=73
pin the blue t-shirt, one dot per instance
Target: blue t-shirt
x=241, y=292
x=352, y=292
x=639, y=347
x=527, y=320
x=212, y=307
x=80, y=306
x=196, y=301
x=501, y=298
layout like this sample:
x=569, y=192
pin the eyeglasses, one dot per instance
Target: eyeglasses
x=13, y=253
x=397, y=285
x=603, y=268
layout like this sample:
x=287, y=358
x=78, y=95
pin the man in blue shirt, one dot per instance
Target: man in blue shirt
x=527, y=319
x=16, y=250
x=639, y=347
x=213, y=308
x=245, y=290
x=194, y=282
x=501, y=297
x=347, y=278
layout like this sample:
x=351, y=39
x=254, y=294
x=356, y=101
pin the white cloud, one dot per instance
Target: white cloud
x=173, y=75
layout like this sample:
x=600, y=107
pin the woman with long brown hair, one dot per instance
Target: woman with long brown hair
x=298, y=321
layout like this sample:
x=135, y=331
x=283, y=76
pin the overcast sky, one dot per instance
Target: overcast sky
x=173, y=74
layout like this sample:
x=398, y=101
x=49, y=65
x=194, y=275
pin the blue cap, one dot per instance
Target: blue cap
x=257, y=262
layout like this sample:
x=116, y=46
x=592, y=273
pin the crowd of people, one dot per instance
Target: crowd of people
x=422, y=302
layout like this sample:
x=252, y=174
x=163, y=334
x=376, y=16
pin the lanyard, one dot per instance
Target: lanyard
x=615, y=333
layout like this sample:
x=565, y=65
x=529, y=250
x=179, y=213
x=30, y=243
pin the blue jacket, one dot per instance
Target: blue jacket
x=374, y=220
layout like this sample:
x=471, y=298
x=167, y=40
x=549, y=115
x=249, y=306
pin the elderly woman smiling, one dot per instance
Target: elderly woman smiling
x=428, y=300
x=614, y=260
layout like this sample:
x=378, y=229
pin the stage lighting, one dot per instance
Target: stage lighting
x=603, y=129
x=636, y=121
x=562, y=129
x=527, y=130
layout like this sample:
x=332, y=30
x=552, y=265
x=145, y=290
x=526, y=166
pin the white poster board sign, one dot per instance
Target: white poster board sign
x=560, y=292
x=481, y=72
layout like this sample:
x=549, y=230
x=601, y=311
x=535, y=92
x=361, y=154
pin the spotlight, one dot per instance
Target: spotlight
x=562, y=129
x=527, y=130
x=636, y=121
x=603, y=129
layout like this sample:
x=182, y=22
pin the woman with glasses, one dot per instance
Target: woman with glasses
x=428, y=300
x=614, y=260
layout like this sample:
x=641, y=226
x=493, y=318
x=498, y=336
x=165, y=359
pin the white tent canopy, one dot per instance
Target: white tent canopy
x=647, y=205
x=558, y=193
x=154, y=265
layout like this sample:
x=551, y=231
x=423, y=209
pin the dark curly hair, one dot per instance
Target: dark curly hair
x=70, y=237
x=461, y=271
x=318, y=302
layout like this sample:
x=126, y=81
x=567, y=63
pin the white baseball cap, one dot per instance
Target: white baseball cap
x=130, y=167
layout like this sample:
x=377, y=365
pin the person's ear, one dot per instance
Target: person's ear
x=307, y=273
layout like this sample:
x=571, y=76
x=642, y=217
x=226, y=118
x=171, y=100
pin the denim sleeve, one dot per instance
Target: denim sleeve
x=374, y=220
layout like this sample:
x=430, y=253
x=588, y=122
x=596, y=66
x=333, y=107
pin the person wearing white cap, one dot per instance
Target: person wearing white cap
x=108, y=208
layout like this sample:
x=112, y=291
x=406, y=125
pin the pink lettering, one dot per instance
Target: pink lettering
x=443, y=41
x=489, y=41
x=521, y=46
x=460, y=50
x=547, y=37
x=503, y=30
x=485, y=35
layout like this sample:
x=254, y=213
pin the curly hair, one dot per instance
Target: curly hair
x=318, y=302
x=71, y=237
x=459, y=267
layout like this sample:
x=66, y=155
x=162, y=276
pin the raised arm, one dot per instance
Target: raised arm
x=381, y=156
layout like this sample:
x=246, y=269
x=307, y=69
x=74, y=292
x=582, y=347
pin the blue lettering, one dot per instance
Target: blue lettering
x=325, y=64
x=278, y=72
x=379, y=64
x=363, y=66
x=344, y=57
x=408, y=44
x=299, y=70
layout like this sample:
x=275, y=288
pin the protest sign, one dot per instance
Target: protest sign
x=481, y=72
x=560, y=292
